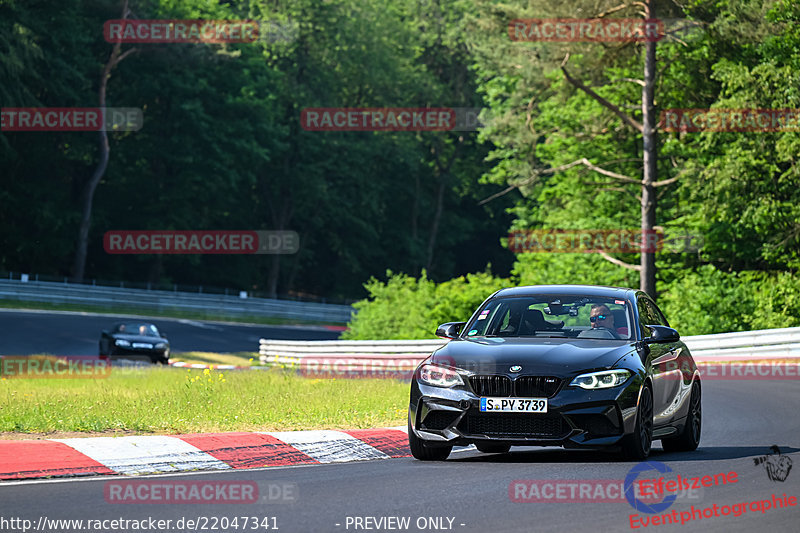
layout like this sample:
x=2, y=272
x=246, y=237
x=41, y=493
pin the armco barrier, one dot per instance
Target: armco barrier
x=745, y=345
x=217, y=305
x=348, y=356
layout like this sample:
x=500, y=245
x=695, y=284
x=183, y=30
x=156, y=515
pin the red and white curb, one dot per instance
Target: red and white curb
x=24, y=459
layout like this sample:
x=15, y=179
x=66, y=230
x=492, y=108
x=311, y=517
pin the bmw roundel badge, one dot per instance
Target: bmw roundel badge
x=515, y=368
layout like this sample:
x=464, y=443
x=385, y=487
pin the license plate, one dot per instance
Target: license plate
x=142, y=345
x=514, y=405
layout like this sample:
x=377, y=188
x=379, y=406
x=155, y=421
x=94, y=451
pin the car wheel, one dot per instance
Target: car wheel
x=637, y=446
x=492, y=447
x=423, y=452
x=689, y=438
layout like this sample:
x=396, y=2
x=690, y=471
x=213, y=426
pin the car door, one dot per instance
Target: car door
x=663, y=356
x=677, y=391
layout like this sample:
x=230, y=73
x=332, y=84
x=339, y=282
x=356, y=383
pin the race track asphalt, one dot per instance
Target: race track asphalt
x=742, y=420
x=68, y=333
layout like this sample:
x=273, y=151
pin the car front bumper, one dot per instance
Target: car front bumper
x=140, y=353
x=575, y=417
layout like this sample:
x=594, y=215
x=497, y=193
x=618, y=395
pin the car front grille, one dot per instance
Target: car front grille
x=536, y=386
x=490, y=385
x=524, y=386
x=526, y=425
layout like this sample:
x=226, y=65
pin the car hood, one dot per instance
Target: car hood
x=542, y=356
x=138, y=338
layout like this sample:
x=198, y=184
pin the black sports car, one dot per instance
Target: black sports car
x=557, y=365
x=135, y=340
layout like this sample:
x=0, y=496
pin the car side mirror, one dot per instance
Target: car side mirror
x=662, y=334
x=449, y=330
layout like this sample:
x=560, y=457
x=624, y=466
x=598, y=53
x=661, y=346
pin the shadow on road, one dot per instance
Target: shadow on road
x=707, y=453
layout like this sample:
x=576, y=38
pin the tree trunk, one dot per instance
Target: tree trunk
x=437, y=217
x=79, y=264
x=647, y=275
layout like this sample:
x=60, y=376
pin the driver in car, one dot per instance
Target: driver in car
x=601, y=317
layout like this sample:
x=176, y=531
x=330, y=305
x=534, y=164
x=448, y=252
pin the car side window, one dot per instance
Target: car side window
x=656, y=312
x=644, y=317
x=653, y=316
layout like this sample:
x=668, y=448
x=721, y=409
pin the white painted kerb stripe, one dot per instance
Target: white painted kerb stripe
x=145, y=454
x=328, y=446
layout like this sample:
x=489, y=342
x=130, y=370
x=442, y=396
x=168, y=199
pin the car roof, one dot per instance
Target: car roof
x=587, y=290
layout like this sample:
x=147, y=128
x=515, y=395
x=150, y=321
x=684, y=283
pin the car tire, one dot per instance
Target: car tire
x=492, y=447
x=689, y=438
x=426, y=453
x=637, y=446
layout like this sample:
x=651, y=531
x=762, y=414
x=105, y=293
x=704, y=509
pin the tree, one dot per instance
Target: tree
x=608, y=63
x=114, y=59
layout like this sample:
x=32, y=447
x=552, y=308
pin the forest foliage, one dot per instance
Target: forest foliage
x=223, y=148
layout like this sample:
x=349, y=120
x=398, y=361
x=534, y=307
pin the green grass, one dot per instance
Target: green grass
x=167, y=400
x=166, y=313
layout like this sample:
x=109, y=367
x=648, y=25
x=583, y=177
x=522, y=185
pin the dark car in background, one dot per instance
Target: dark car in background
x=557, y=365
x=136, y=340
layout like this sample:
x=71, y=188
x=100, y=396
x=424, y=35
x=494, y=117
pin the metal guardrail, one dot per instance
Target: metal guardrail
x=389, y=359
x=354, y=355
x=745, y=345
x=217, y=305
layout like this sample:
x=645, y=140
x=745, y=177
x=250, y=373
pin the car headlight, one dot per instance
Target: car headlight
x=122, y=342
x=605, y=379
x=161, y=345
x=439, y=376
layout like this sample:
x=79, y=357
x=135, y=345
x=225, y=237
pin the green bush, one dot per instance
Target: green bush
x=571, y=269
x=708, y=300
x=697, y=302
x=407, y=308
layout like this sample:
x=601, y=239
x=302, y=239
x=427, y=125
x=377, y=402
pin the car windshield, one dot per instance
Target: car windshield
x=145, y=330
x=567, y=316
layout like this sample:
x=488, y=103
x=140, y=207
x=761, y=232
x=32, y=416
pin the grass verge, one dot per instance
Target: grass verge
x=163, y=400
